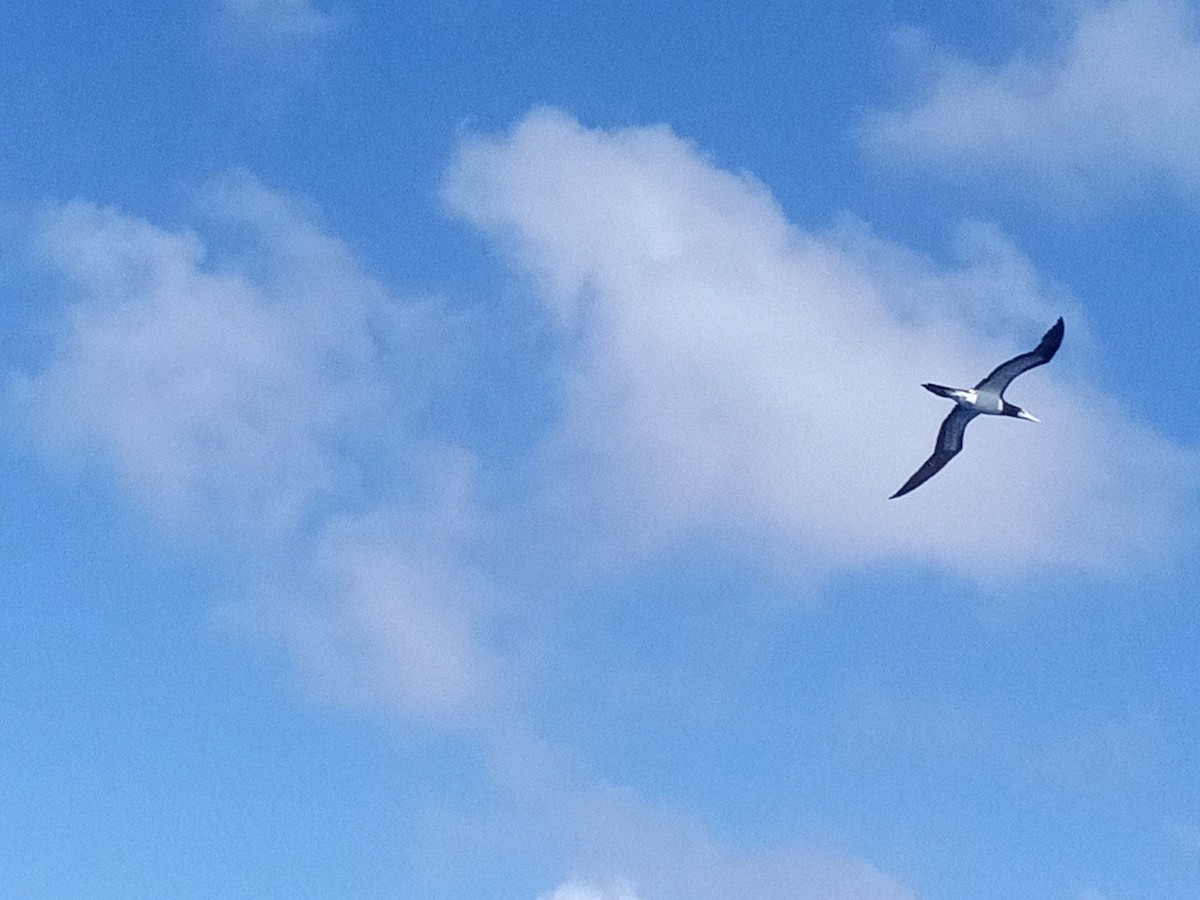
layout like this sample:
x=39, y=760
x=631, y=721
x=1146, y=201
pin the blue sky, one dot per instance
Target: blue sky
x=446, y=450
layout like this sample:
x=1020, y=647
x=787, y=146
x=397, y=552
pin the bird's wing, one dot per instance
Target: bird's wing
x=1003, y=374
x=949, y=442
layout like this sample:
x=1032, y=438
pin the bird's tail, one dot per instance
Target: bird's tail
x=940, y=390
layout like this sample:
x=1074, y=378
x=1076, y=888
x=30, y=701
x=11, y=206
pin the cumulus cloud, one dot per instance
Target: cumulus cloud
x=1116, y=102
x=730, y=370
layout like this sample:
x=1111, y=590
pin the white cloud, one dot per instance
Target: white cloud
x=1100, y=759
x=575, y=890
x=241, y=383
x=245, y=389
x=386, y=619
x=283, y=19
x=730, y=370
x=216, y=394
x=1115, y=103
x=550, y=810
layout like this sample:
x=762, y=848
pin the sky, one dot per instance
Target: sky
x=446, y=450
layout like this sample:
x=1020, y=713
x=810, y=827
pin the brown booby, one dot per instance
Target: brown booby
x=986, y=398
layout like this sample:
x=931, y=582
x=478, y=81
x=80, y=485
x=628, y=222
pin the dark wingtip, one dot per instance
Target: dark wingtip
x=1053, y=338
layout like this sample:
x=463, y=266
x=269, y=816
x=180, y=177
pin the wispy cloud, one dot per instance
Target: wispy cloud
x=384, y=619
x=214, y=393
x=244, y=388
x=731, y=370
x=661, y=851
x=1115, y=104
x=1098, y=760
x=281, y=19
x=576, y=890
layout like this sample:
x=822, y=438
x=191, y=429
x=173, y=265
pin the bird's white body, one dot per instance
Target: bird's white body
x=990, y=403
x=986, y=402
x=968, y=398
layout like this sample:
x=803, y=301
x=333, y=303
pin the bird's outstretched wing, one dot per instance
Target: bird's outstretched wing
x=949, y=442
x=1003, y=374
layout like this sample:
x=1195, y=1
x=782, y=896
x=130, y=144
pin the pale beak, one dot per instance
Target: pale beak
x=1024, y=415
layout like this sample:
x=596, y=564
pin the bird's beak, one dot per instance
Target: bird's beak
x=1024, y=415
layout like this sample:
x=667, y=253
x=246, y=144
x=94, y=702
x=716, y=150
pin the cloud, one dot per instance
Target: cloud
x=1115, y=104
x=281, y=19
x=382, y=619
x=251, y=386
x=937, y=734
x=707, y=871
x=575, y=890
x=254, y=391
x=551, y=811
x=727, y=370
x=217, y=395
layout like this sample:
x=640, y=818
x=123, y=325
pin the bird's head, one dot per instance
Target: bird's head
x=1017, y=413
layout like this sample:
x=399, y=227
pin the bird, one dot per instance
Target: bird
x=985, y=398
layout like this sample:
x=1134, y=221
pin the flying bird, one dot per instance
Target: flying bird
x=987, y=398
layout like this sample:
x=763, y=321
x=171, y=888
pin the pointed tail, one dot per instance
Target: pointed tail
x=940, y=390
